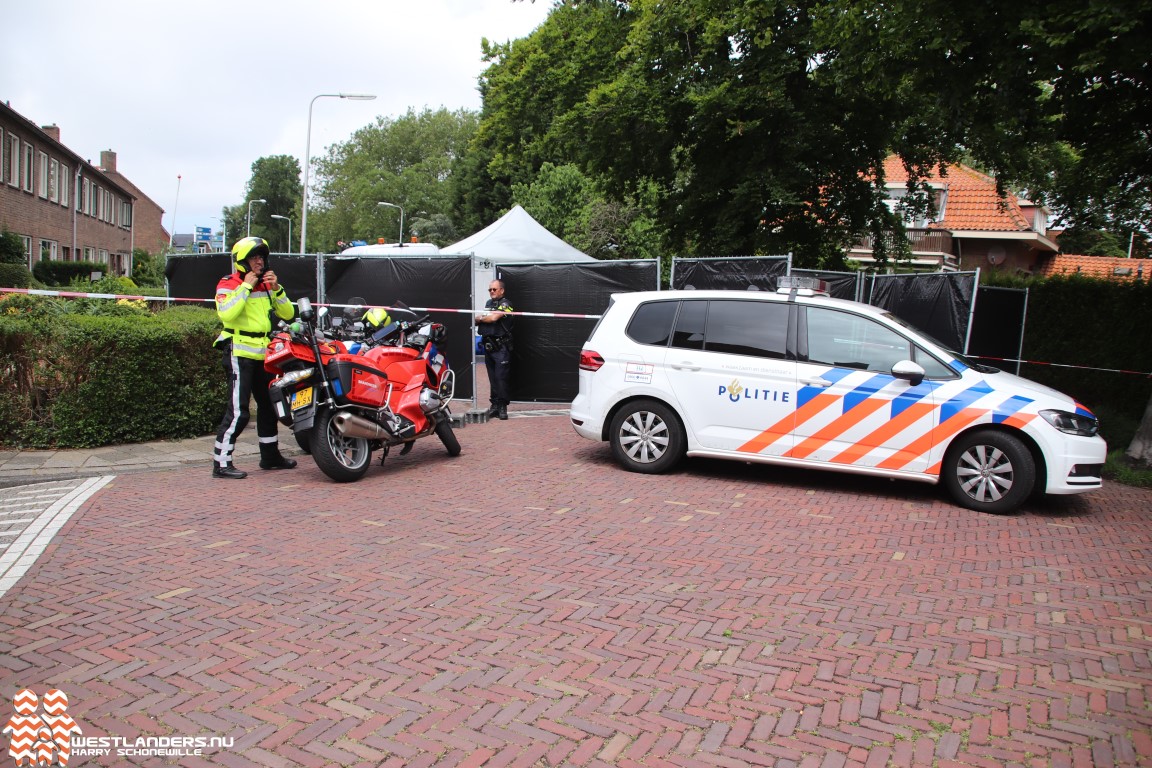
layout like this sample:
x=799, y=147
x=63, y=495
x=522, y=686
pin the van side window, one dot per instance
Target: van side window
x=652, y=323
x=752, y=328
x=933, y=368
x=846, y=340
x=690, y=325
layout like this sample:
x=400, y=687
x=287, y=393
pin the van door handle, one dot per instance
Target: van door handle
x=816, y=382
x=684, y=367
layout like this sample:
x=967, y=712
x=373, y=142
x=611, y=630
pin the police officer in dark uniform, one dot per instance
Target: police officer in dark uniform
x=494, y=325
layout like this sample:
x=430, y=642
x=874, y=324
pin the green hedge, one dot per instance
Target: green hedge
x=71, y=380
x=64, y=272
x=1096, y=324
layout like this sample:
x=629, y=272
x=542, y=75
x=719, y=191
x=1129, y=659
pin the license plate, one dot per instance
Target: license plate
x=302, y=398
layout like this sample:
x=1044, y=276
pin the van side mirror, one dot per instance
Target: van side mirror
x=909, y=371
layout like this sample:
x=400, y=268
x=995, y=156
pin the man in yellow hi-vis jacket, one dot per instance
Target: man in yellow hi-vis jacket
x=245, y=301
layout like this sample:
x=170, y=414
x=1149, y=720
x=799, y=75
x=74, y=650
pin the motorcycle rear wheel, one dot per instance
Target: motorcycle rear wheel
x=344, y=459
x=447, y=435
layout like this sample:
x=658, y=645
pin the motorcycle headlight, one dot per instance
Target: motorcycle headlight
x=1072, y=423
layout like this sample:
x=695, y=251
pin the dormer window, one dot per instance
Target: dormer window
x=917, y=219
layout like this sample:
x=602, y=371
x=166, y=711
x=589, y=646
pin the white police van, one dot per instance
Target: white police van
x=799, y=379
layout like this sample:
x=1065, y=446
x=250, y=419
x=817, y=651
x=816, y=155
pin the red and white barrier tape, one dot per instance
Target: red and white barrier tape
x=76, y=295
x=1063, y=365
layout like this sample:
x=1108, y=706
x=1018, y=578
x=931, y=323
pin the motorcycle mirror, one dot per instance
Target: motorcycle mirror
x=307, y=314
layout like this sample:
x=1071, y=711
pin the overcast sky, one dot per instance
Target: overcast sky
x=202, y=89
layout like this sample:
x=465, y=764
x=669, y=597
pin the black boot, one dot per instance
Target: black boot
x=228, y=472
x=270, y=458
x=503, y=413
x=494, y=411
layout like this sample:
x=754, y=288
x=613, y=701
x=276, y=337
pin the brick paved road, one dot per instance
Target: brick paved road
x=558, y=611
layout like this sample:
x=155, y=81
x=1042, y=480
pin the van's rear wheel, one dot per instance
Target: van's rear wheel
x=989, y=471
x=646, y=437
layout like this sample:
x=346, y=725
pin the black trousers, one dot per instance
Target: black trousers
x=247, y=379
x=499, y=365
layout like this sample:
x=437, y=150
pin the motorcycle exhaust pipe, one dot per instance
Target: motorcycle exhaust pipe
x=352, y=425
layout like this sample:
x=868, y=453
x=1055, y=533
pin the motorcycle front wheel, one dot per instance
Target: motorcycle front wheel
x=344, y=459
x=447, y=435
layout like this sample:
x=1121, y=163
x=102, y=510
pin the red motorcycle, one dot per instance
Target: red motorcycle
x=342, y=406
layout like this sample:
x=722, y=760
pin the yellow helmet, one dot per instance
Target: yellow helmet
x=377, y=317
x=249, y=246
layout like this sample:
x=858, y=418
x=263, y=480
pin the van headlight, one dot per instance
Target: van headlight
x=1072, y=423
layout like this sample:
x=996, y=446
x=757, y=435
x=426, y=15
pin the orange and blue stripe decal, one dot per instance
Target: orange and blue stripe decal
x=1009, y=408
x=856, y=406
x=1082, y=411
x=809, y=402
x=907, y=408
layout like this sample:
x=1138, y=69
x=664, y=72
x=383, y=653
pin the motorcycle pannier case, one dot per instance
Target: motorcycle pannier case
x=357, y=382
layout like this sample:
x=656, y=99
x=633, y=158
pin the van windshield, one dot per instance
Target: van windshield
x=959, y=356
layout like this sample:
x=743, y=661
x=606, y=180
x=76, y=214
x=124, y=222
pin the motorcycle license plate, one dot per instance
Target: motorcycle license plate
x=302, y=398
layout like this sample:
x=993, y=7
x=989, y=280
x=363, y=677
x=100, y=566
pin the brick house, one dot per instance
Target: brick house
x=65, y=208
x=148, y=231
x=973, y=226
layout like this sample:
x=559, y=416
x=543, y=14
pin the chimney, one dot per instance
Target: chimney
x=53, y=132
x=108, y=161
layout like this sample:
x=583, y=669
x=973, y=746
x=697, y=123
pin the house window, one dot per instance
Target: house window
x=3, y=156
x=65, y=182
x=93, y=191
x=29, y=158
x=54, y=180
x=103, y=258
x=48, y=250
x=27, y=249
x=917, y=219
x=43, y=190
x=12, y=160
x=87, y=253
x=126, y=214
x=100, y=203
x=85, y=196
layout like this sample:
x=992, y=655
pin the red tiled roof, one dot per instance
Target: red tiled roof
x=1099, y=267
x=972, y=203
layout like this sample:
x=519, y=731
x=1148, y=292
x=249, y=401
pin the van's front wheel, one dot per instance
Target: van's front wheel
x=989, y=471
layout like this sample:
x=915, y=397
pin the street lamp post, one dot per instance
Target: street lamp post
x=258, y=200
x=308, y=156
x=172, y=234
x=400, y=240
x=287, y=219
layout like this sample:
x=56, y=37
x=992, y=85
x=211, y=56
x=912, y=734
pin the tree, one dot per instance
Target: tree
x=528, y=86
x=407, y=161
x=574, y=208
x=12, y=248
x=147, y=269
x=275, y=179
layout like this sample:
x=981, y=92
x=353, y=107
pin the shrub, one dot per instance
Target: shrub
x=15, y=276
